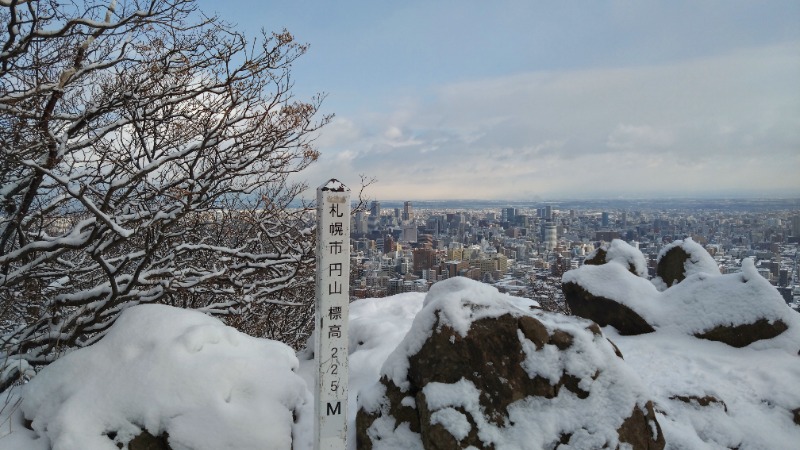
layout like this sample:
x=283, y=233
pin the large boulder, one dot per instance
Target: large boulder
x=620, y=252
x=738, y=309
x=610, y=294
x=680, y=259
x=480, y=369
x=604, y=311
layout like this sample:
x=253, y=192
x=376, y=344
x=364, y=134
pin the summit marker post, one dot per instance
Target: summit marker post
x=332, y=300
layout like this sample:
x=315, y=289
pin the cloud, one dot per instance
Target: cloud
x=642, y=137
x=692, y=126
x=338, y=133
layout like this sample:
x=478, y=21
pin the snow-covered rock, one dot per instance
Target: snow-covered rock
x=738, y=309
x=682, y=259
x=619, y=252
x=711, y=396
x=482, y=369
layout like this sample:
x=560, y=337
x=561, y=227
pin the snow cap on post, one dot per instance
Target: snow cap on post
x=334, y=185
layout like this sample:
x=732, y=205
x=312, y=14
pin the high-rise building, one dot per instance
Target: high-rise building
x=424, y=259
x=795, y=225
x=360, y=223
x=508, y=214
x=550, y=235
x=408, y=211
x=783, y=277
x=388, y=244
x=605, y=218
x=374, y=216
x=548, y=212
x=409, y=234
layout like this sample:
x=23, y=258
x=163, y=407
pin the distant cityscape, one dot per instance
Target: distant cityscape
x=524, y=247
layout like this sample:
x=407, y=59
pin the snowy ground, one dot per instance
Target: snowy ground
x=759, y=389
x=211, y=387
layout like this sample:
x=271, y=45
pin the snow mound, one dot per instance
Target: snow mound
x=711, y=396
x=168, y=371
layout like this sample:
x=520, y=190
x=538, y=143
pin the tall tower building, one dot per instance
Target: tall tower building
x=408, y=211
x=548, y=212
x=374, y=216
x=375, y=208
x=550, y=236
x=605, y=218
x=360, y=223
x=388, y=244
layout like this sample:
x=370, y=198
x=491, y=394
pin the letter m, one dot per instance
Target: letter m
x=334, y=409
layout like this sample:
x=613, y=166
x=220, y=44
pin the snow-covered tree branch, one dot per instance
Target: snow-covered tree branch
x=144, y=154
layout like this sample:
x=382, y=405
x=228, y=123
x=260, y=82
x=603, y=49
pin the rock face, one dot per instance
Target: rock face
x=681, y=259
x=512, y=378
x=744, y=334
x=604, y=311
x=147, y=441
x=670, y=266
x=621, y=252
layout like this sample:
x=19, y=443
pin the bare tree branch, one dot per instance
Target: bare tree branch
x=145, y=152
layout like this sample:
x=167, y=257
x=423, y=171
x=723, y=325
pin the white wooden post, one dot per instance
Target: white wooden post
x=333, y=285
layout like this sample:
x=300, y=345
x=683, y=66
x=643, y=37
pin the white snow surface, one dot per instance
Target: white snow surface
x=159, y=361
x=759, y=388
x=166, y=370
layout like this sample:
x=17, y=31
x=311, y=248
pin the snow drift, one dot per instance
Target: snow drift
x=171, y=372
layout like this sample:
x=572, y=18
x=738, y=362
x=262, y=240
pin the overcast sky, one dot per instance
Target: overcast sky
x=524, y=100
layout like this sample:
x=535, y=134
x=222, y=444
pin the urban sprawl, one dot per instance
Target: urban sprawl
x=525, y=249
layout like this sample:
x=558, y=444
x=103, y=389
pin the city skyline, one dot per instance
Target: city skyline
x=519, y=100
